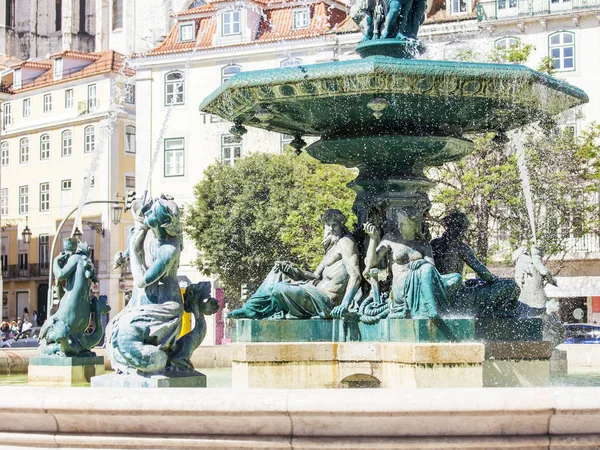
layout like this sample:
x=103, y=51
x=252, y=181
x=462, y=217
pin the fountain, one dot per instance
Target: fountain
x=391, y=116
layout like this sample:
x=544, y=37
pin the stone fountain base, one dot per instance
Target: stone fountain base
x=61, y=371
x=390, y=364
x=192, y=379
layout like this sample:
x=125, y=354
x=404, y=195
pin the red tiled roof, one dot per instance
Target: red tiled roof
x=104, y=62
x=74, y=54
x=276, y=24
x=9, y=61
x=36, y=64
x=200, y=9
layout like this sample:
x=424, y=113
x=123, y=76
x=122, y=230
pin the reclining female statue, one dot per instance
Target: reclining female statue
x=418, y=290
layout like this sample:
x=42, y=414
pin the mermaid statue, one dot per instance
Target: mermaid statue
x=63, y=334
x=143, y=337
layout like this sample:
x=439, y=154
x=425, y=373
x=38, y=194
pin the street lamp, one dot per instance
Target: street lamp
x=26, y=235
x=116, y=214
x=78, y=234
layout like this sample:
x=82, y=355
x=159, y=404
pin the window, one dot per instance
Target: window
x=174, y=84
x=69, y=98
x=26, y=107
x=231, y=23
x=507, y=4
x=58, y=15
x=130, y=94
x=82, y=14
x=91, y=100
x=507, y=43
x=67, y=143
x=23, y=264
x=231, y=149
x=4, y=148
x=291, y=62
x=301, y=18
x=562, y=50
x=65, y=185
x=17, y=81
x=174, y=157
x=286, y=139
x=10, y=13
x=92, y=181
x=228, y=71
x=117, y=14
x=23, y=199
x=44, y=197
x=43, y=251
x=4, y=202
x=45, y=146
x=459, y=6
x=58, y=69
x=7, y=119
x=47, y=102
x=89, y=139
x=130, y=139
x=24, y=151
x=129, y=182
x=186, y=32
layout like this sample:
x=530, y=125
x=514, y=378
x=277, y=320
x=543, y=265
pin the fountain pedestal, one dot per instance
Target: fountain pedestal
x=172, y=380
x=64, y=371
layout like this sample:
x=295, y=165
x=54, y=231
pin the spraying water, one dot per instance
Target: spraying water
x=516, y=138
x=117, y=94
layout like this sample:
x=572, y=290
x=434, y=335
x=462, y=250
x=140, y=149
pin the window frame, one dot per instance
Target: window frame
x=185, y=26
x=174, y=150
x=63, y=185
x=47, y=103
x=62, y=143
x=4, y=200
x=117, y=14
x=174, y=83
x=44, y=251
x=226, y=77
x=92, y=97
x=231, y=146
x=130, y=94
x=17, y=78
x=4, y=153
x=561, y=46
x=291, y=62
x=297, y=11
x=69, y=97
x=89, y=139
x=23, y=194
x=128, y=128
x=6, y=114
x=508, y=39
x=44, y=197
x=58, y=67
x=24, y=156
x=231, y=23
x=44, y=143
x=27, y=107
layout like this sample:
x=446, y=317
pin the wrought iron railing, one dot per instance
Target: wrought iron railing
x=510, y=9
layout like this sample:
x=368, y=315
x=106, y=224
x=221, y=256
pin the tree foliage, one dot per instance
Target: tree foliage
x=563, y=171
x=263, y=209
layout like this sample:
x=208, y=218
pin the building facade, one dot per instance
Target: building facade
x=34, y=29
x=61, y=115
x=212, y=42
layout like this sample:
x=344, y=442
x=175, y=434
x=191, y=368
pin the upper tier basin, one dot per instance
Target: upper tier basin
x=438, y=98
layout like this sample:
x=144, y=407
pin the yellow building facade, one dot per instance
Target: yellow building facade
x=61, y=117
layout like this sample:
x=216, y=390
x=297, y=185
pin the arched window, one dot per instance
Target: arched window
x=45, y=146
x=507, y=42
x=228, y=71
x=5, y=158
x=130, y=139
x=561, y=48
x=24, y=151
x=174, y=85
x=67, y=143
x=89, y=139
x=291, y=62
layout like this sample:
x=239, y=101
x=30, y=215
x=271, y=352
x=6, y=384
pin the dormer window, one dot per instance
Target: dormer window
x=300, y=18
x=231, y=23
x=58, y=68
x=17, y=81
x=186, y=32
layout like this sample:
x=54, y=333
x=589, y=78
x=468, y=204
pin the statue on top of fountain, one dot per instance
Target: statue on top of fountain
x=389, y=19
x=486, y=296
x=143, y=337
x=293, y=293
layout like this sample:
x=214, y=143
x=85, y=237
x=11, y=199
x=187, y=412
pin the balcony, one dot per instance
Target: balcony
x=514, y=9
x=32, y=271
x=87, y=106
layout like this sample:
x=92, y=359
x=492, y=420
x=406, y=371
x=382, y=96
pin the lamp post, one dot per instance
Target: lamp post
x=116, y=203
x=26, y=235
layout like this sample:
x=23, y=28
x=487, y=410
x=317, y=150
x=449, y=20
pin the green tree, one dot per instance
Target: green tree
x=263, y=209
